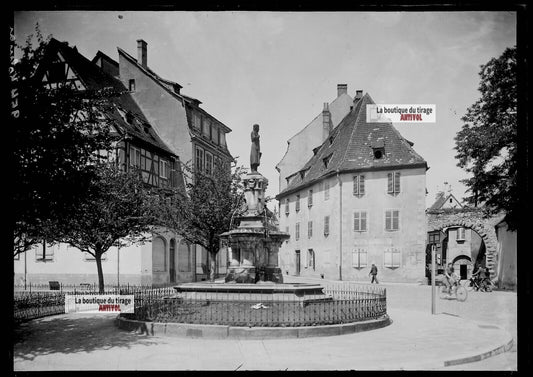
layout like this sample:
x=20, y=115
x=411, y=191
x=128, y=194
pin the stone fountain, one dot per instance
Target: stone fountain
x=253, y=250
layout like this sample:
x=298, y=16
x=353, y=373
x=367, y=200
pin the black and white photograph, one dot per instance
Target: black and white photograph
x=233, y=189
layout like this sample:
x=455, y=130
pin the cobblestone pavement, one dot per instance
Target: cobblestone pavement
x=415, y=340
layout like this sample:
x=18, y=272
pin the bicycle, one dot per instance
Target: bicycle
x=483, y=285
x=457, y=291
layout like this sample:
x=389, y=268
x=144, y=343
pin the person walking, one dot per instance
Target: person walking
x=374, y=273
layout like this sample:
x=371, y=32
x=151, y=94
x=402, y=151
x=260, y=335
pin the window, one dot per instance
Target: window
x=196, y=121
x=358, y=185
x=326, y=160
x=131, y=85
x=208, y=163
x=309, y=229
x=461, y=234
x=326, y=226
x=135, y=157
x=218, y=136
x=310, y=199
x=287, y=206
x=222, y=138
x=207, y=128
x=359, y=221
x=311, y=259
x=297, y=233
x=392, y=220
x=391, y=257
x=297, y=202
x=393, y=182
x=213, y=133
x=199, y=159
x=163, y=169
x=44, y=252
x=359, y=257
x=326, y=190
x=378, y=153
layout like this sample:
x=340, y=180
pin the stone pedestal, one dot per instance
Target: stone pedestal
x=256, y=241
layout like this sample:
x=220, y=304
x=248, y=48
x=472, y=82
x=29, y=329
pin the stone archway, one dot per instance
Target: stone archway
x=472, y=218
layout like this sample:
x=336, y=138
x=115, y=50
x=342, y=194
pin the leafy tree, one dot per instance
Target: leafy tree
x=487, y=143
x=116, y=211
x=56, y=134
x=208, y=209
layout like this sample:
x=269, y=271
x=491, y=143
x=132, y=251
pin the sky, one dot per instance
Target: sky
x=278, y=68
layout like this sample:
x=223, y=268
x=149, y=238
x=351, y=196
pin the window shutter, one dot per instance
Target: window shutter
x=387, y=260
x=363, y=221
x=297, y=203
x=388, y=222
x=396, y=258
x=287, y=206
x=310, y=198
x=355, y=258
x=395, y=220
x=362, y=258
x=390, y=186
x=356, y=185
x=326, y=225
x=397, y=182
x=356, y=217
x=361, y=185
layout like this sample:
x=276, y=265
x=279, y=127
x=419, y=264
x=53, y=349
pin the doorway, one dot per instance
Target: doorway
x=297, y=263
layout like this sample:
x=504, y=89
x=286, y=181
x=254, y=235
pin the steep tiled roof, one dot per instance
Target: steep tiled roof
x=95, y=79
x=441, y=200
x=350, y=148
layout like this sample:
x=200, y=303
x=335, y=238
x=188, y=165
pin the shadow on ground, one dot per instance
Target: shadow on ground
x=72, y=333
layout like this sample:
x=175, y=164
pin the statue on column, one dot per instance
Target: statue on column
x=255, y=153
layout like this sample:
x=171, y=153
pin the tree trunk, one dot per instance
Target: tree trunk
x=212, y=264
x=98, y=258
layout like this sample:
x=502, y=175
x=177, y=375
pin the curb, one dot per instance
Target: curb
x=481, y=356
x=186, y=330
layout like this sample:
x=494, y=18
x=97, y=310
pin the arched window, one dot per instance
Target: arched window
x=159, y=256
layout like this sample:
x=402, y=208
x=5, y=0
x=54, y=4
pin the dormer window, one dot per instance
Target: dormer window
x=129, y=118
x=131, y=85
x=378, y=149
x=326, y=160
x=378, y=153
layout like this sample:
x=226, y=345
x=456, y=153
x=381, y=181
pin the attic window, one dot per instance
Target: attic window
x=378, y=153
x=302, y=174
x=132, y=85
x=129, y=118
x=331, y=139
x=326, y=160
x=315, y=150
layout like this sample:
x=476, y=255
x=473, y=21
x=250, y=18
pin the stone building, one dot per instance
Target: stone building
x=193, y=134
x=165, y=258
x=300, y=146
x=359, y=199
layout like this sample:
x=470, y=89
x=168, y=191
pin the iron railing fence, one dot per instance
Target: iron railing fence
x=343, y=303
x=41, y=302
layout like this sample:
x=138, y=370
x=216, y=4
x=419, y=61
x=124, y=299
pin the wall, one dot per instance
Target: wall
x=507, y=247
x=410, y=238
x=70, y=267
x=164, y=112
x=300, y=146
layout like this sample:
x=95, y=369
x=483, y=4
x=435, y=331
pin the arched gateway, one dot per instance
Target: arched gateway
x=472, y=218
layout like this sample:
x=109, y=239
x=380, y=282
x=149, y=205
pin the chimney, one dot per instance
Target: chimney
x=342, y=89
x=358, y=94
x=326, y=121
x=142, y=55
